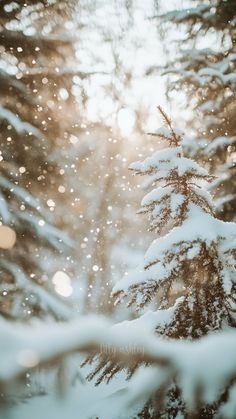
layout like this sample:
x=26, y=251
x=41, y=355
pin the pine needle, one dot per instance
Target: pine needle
x=165, y=118
x=168, y=123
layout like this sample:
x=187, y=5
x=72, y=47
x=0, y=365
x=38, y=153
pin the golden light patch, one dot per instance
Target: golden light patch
x=7, y=237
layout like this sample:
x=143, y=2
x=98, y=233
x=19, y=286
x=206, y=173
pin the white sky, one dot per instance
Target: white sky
x=137, y=48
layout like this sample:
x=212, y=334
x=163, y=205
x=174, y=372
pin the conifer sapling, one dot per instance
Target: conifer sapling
x=194, y=252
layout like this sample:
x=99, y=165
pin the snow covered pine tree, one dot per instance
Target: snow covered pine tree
x=29, y=135
x=208, y=78
x=187, y=272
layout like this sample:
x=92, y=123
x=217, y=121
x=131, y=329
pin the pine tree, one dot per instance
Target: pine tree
x=188, y=271
x=28, y=134
x=193, y=247
x=207, y=76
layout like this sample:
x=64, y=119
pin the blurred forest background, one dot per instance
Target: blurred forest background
x=71, y=117
x=79, y=83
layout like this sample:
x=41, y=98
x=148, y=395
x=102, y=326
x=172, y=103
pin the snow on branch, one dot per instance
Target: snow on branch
x=202, y=368
x=54, y=236
x=21, y=127
x=46, y=299
x=184, y=15
x=20, y=193
x=46, y=44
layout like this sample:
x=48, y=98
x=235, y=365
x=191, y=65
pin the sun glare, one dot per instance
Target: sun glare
x=62, y=284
